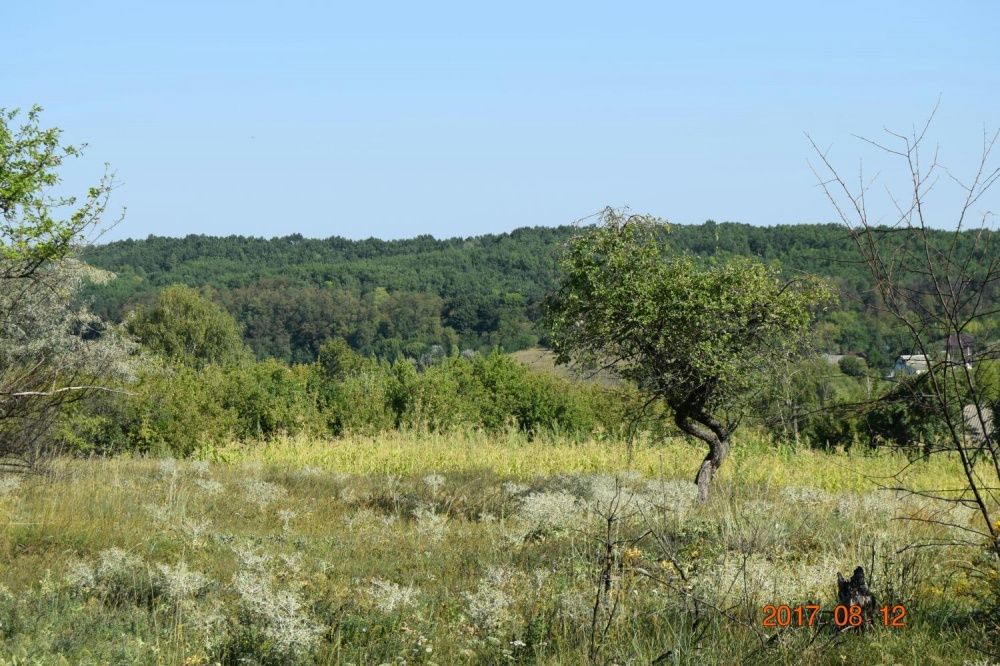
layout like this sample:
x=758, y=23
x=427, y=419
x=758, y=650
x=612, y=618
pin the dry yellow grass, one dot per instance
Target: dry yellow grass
x=482, y=548
x=542, y=360
x=754, y=460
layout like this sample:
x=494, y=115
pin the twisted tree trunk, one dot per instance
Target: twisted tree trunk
x=708, y=429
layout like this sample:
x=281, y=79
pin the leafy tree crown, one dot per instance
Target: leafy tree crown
x=695, y=333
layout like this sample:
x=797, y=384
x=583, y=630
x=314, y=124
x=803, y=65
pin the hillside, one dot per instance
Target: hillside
x=408, y=547
x=543, y=361
x=393, y=298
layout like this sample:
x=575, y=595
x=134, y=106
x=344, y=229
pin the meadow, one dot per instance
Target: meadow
x=417, y=548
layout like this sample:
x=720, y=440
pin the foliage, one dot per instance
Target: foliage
x=52, y=352
x=268, y=398
x=363, y=402
x=700, y=337
x=811, y=401
x=293, y=293
x=180, y=410
x=32, y=233
x=492, y=391
x=819, y=404
x=906, y=416
x=187, y=328
x=443, y=397
x=529, y=401
x=853, y=366
x=168, y=411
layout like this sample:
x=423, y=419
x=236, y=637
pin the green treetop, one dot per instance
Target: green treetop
x=698, y=336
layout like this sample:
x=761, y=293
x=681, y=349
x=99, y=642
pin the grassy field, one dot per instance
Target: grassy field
x=543, y=360
x=418, y=549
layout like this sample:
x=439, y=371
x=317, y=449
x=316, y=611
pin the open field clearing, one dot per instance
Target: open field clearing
x=755, y=460
x=465, y=549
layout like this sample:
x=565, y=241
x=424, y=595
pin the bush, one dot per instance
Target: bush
x=906, y=416
x=853, y=366
x=188, y=328
x=514, y=396
x=446, y=395
x=177, y=410
x=494, y=392
x=167, y=411
x=361, y=401
x=268, y=398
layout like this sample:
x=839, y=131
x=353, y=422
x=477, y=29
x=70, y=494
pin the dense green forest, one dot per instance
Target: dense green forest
x=403, y=297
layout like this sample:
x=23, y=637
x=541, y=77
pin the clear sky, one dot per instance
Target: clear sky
x=396, y=119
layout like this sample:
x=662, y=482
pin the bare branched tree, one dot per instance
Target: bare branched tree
x=941, y=288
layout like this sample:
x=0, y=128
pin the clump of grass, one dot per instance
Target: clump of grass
x=274, y=624
x=180, y=584
x=116, y=577
x=389, y=597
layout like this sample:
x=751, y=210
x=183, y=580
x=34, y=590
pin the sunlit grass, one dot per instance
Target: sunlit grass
x=483, y=549
x=754, y=460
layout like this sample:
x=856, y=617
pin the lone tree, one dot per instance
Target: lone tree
x=700, y=336
x=185, y=327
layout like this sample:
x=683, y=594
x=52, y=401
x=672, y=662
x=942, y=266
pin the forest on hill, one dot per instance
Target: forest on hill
x=404, y=297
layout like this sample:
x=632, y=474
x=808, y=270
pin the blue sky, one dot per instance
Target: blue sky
x=455, y=119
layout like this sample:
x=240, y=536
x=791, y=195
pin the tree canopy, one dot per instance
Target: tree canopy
x=401, y=297
x=52, y=352
x=32, y=230
x=185, y=327
x=697, y=335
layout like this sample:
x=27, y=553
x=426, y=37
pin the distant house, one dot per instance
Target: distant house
x=959, y=347
x=979, y=426
x=832, y=359
x=910, y=364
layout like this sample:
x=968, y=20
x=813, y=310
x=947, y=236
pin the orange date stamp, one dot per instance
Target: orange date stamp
x=809, y=615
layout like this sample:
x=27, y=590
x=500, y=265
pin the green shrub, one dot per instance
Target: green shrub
x=853, y=366
x=167, y=411
x=446, y=395
x=268, y=398
x=175, y=410
x=361, y=401
x=185, y=327
x=515, y=396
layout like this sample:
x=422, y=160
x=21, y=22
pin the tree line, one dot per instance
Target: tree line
x=294, y=335
x=395, y=299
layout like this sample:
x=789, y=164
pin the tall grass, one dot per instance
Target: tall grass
x=755, y=459
x=462, y=548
